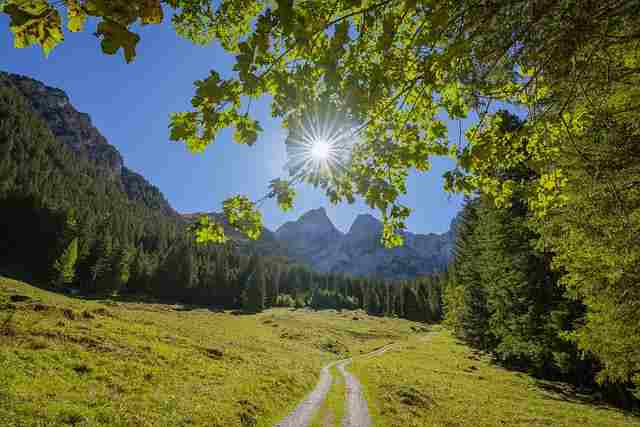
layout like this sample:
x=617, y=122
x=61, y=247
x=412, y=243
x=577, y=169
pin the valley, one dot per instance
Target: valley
x=112, y=362
x=371, y=213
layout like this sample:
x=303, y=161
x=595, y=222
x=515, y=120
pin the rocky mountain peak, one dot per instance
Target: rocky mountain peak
x=366, y=224
x=313, y=222
x=68, y=124
x=315, y=215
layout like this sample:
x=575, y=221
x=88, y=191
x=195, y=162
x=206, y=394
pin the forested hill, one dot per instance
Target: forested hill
x=75, y=130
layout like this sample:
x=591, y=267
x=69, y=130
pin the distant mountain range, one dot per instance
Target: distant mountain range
x=312, y=239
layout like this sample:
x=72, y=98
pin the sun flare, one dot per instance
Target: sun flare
x=320, y=149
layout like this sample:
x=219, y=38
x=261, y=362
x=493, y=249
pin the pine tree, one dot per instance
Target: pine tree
x=65, y=266
x=102, y=268
x=413, y=309
x=465, y=298
x=253, y=296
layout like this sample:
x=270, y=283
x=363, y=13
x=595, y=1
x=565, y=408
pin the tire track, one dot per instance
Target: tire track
x=357, y=409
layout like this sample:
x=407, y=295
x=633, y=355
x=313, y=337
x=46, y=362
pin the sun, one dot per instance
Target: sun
x=320, y=149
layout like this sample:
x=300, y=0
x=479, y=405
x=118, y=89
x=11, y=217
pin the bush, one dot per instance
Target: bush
x=300, y=302
x=285, y=300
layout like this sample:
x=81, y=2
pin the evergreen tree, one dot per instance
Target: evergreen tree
x=413, y=309
x=253, y=296
x=65, y=266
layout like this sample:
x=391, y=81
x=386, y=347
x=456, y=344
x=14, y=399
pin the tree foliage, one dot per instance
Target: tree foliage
x=395, y=70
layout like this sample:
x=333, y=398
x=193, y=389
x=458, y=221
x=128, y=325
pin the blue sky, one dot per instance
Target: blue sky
x=130, y=105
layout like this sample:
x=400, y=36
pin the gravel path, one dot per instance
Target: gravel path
x=357, y=411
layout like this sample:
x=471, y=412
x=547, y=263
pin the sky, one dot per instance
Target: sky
x=130, y=105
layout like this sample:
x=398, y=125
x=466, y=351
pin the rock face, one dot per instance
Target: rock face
x=314, y=240
x=311, y=238
x=67, y=124
x=138, y=188
x=76, y=130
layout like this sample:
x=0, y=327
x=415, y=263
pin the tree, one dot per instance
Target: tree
x=253, y=297
x=465, y=298
x=273, y=284
x=121, y=269
x=64, y=267
x=102, y=266
x=413, y=307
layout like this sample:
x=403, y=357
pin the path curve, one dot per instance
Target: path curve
x=356, y=407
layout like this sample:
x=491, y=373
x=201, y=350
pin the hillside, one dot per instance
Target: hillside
x=76, y=131
x=67, y=361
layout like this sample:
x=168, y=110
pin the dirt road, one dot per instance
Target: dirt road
x=356, y=408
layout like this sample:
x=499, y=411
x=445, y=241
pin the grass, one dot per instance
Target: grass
x=432, y=380
x=66, y=361
x=70, y=361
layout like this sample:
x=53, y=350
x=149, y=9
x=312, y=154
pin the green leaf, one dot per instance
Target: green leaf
x=35, y=22
x=207, y=231
x=151, y=12
x=284, y=193
x=246, y=131
x=76, y=16
x=115, y=36
x=243, y=216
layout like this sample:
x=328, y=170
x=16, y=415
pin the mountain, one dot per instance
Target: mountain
x=311, y=238
x=314, y=240
x=75, y=130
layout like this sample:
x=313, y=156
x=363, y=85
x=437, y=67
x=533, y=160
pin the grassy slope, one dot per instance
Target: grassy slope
x=65, y=361
x=432, y=380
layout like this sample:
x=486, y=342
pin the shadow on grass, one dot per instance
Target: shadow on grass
x=594, y=397
x=110, y=299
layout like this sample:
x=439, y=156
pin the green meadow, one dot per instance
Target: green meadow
x=71, y=361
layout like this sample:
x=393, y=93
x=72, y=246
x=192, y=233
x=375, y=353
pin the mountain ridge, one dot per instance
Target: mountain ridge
x=314, y=240
x=76, y=130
